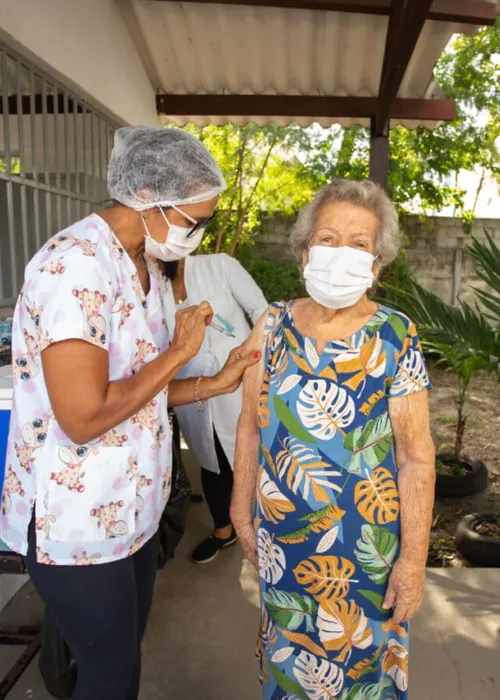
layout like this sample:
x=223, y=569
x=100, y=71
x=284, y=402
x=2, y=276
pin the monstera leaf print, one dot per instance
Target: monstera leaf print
x=290, y=610
x=304, y=640
x=368, y=359
x=264, y=412
x=322, y=520
x=311, y=354
x=289, y=383
x=369, y=691
x=325, y=408
x=290, y=422
x=325, y=576
x=272, y=560
x=320, y=679
x=279, y=363
x=367, y=666
x=377, y=498
x=272, y=503
x=305, y=471
x=411, y=375
x=292, y=689
x=369, y=444
x=343, y=626
x=395, y=664
x=376, y=551
x=268, y=634
x=268, y=458
x=391, y=626
x=377, y=321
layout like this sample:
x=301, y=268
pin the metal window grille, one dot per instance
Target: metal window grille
x=54, y=150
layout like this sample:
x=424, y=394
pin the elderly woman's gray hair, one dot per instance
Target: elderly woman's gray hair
x=364, y=194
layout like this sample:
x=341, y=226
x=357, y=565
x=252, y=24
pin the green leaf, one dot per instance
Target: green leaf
x=286, y=683
x=290, y=610
x=290, y=422
x=297, y=536
x=370, y=444
x=377, y=549
x=367, y=691
x=377, y=321
x=398, y=326
x=375, y=599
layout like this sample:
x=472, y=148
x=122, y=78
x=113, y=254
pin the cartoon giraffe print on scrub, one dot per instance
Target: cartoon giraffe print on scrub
x=64, y=242
x=11, y=486
x=111, y=439
x=144, y=349
x=146, y=418
x=91, y=303
x=44, y=524
x=54, y=267
x=136, y=546
x=25, y=366
x=43, y=557
x=107, y=516
x=122, y=308
x=34, y=435
x=141, y=481
x=73, y=457
x=85, y=559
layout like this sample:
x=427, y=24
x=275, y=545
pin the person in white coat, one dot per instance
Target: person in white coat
x=210, y=434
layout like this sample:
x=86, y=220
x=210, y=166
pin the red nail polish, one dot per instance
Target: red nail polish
x=256, y=356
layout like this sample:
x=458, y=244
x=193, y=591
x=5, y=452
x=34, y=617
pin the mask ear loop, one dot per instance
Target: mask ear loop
x=147, y=234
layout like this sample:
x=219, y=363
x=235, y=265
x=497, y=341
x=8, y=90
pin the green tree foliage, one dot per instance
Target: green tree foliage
x=266, y=170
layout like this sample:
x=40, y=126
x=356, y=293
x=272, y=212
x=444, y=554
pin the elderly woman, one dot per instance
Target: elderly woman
x=89, y=454
x=334, y=442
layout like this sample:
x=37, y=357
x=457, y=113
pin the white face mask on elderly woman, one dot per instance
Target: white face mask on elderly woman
x=177, y=245
x=338, y=277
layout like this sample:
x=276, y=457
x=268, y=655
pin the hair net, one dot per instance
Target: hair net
x=161, y=166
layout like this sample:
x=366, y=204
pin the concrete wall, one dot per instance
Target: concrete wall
x=87, y=43
x=434, y=248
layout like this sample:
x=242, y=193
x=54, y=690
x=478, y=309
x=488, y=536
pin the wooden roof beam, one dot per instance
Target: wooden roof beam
x=479, y=12
x=406, y=22
x=300, y=106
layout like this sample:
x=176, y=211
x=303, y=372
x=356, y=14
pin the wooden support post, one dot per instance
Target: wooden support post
x=379, y=156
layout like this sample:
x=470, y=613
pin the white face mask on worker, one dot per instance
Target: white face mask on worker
x=338, y=277
x=177, y=245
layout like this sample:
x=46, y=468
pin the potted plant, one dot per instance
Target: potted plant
x=478, y=539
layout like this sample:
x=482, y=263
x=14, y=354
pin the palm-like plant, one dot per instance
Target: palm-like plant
x=465, y=338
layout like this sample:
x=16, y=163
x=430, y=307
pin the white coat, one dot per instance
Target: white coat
x=231, y=291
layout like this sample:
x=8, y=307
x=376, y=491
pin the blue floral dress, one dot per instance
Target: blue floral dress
x=327, y=509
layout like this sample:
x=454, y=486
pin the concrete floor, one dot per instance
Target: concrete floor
x=201, y=637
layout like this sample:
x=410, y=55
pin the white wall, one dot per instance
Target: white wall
x=86, y=41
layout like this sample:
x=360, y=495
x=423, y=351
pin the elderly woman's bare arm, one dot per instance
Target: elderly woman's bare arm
x=415, y=459
x=246, y=458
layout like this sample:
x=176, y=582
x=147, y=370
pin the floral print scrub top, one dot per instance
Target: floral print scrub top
x=328, y=512
x=99, y=502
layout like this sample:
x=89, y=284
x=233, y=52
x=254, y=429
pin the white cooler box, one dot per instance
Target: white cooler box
x=6, y=391
x=9, y=584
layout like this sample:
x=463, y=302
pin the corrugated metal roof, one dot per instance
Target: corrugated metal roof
x=224, y=49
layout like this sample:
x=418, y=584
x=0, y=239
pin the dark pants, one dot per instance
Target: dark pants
x=217, y=488
x=101, y=611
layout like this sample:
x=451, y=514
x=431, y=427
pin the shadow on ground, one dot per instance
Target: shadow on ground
x=201, y=638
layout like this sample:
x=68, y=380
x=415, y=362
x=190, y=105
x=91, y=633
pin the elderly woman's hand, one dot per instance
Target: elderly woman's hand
x=405, y=590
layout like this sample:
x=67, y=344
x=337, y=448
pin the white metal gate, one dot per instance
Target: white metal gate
x=54, y=150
